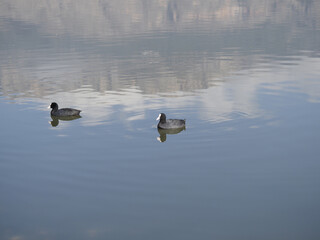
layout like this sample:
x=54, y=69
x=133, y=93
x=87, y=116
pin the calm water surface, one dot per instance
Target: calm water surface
x=245, y=75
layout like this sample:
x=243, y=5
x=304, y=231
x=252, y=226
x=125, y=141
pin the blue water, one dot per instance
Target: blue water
x=245, y=77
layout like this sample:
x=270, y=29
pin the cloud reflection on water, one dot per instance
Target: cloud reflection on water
x=209, y=56
x=238, y=94
x=121, y=62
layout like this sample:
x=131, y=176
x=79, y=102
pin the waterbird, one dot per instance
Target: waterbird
x=63, y=112
x=165, y=123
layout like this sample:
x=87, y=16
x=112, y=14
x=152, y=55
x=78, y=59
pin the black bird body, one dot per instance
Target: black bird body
x=165, y=123
x=63, y=112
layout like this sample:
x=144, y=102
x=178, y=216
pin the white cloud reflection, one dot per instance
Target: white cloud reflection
x=238, y=94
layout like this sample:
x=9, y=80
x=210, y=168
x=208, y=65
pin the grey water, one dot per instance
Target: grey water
x=244, y=74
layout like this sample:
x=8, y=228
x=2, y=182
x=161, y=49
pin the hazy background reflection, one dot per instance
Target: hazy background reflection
x=244, y=74
x=152, y=47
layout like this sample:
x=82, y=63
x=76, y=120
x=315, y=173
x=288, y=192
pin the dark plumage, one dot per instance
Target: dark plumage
x=63, y=112
x=165, y=123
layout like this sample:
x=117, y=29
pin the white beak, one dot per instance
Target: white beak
x=49, y=106
x=158, y=117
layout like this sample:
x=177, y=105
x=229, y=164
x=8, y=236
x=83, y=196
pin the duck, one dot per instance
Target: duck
x=165, y=123
x=63, y=112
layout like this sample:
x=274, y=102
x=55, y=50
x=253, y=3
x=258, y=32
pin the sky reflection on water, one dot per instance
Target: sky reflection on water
x=244, y=74
x=237, y=94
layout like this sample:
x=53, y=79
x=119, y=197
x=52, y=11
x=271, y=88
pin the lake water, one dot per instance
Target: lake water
x=244, y=74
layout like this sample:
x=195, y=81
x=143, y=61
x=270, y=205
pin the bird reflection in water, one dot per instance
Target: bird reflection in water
x=163, y=133
x=55, y=119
